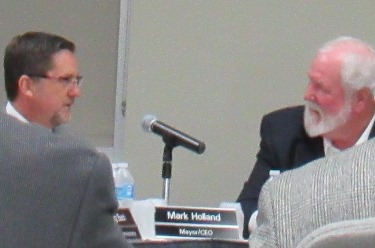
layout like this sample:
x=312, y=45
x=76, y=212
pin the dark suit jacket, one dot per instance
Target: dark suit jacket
x=55, y=191
x=284, y=145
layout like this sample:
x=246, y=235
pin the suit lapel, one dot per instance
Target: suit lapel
x=372, y=132
x=308, y=149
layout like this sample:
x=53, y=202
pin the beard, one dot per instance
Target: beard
x=318, y=122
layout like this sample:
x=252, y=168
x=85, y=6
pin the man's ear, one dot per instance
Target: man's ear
x=362, y=98
x=25, y=86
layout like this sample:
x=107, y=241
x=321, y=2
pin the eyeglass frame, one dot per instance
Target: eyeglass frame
x=67, y=80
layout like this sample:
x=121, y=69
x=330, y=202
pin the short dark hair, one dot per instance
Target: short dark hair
x=30, y=53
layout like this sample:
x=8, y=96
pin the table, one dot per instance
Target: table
x=204, y=243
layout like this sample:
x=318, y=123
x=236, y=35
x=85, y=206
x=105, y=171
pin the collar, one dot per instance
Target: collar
x=330, y=149
x=13, y=112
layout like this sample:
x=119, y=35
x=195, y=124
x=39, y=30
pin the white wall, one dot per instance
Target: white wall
x=212, y=68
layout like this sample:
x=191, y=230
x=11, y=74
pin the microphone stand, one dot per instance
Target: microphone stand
x=167, y=170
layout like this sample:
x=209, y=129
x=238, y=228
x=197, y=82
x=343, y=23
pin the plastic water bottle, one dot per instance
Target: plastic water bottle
x=124, y=184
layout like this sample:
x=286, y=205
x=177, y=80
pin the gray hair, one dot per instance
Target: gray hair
x=358, y=64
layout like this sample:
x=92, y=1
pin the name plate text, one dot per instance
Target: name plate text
x=195, y=222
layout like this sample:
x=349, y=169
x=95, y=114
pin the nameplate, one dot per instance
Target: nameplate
x=125, y=220
x=194, y=222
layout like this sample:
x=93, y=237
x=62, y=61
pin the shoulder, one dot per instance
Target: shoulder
x=292, y=113
x=354, y=162
x=285, y=122
x=39, y=142
x=310, y=192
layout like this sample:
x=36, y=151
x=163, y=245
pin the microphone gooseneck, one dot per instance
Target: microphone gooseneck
x=172, y=138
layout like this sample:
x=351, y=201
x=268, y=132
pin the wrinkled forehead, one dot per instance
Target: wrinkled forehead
x=327, y=63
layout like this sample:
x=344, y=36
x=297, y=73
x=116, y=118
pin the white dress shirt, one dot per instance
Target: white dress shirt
x=13, y=112
x=330, y=149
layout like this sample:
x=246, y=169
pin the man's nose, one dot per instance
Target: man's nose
x=309, y=94
x=75, y=91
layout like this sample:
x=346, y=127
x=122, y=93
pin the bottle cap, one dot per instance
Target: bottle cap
x=274, y=173
x=120, y=165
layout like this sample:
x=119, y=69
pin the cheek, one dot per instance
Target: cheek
x=50, y=98
x=48, y=104
x=330, y=105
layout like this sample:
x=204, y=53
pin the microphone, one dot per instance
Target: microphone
x=171, y=136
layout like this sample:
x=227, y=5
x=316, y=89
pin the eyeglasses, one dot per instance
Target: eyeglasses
x=66, y=80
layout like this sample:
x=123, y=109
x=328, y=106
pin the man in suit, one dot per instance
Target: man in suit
x=336, y=188
x=42, y=78
x=339, y=113
x=55, y=190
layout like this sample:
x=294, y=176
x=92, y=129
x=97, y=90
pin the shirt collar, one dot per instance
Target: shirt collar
x=13, y=112
x=330, y=149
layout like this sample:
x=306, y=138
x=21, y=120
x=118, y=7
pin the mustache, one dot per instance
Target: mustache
x=313, y=106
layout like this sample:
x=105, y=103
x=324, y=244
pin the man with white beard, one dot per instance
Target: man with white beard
x=338, y=114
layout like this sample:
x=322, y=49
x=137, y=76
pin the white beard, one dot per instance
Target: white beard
x=327, y=123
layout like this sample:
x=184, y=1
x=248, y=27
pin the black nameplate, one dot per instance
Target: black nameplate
x=127, y=224
x=182, y=231
x=193, y=222
x=214, y=216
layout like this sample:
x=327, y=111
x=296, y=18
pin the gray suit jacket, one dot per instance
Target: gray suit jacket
x=331, y=189
x=55, y=191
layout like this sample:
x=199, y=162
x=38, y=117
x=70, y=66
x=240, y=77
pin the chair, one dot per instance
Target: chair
x=344, y=234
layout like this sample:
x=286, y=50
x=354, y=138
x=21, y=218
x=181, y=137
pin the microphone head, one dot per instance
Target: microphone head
x=147, y=122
